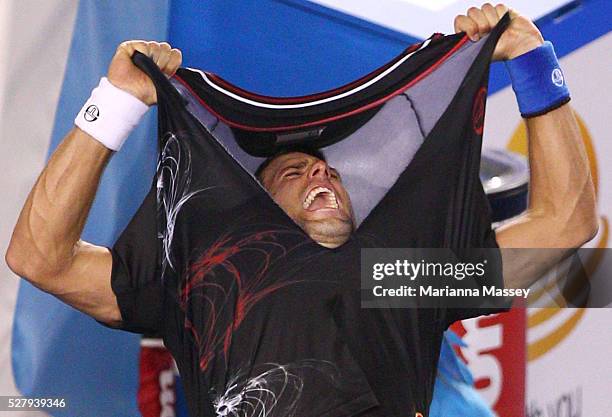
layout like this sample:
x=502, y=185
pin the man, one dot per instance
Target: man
x=46, y=249
x=311, y=193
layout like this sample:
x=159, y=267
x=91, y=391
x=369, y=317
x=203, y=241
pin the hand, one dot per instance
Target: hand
x=122, y=73
x=520, y=37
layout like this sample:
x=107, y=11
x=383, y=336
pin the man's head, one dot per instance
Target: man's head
x=311, y=193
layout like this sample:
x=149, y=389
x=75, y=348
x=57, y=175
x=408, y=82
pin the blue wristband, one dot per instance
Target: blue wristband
x=537, y=81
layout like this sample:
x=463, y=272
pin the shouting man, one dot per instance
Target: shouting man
x=47, y=251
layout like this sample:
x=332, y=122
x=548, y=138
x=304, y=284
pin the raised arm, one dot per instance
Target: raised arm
x=561, y=214
x=45, y=247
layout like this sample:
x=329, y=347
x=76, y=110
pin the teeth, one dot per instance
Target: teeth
x=331, y=197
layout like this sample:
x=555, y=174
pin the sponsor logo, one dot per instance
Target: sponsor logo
x=566, y=404
x=495, y=354
x=91, y=113
x=484, y=364
x=557, y=77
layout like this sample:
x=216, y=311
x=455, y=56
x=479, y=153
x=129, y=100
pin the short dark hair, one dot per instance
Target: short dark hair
x=309, y=150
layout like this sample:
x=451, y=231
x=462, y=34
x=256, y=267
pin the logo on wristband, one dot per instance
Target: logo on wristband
x=91, y=113
x=557, y=77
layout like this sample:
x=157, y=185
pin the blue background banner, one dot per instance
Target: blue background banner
x=58, y=351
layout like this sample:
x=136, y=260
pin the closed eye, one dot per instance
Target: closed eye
x=293, y=171
x=335, y=174
x=292, y=174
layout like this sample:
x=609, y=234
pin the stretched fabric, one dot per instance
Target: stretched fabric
x=261, y=319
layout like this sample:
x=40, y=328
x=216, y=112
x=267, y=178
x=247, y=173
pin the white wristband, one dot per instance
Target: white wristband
x=110, y=114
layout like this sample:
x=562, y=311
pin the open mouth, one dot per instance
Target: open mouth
x=320, y=198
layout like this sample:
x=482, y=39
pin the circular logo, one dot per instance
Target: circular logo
x=91, y=113
x=557, y=77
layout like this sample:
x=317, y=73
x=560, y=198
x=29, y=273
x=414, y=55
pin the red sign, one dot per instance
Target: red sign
x=496, y=355
x=156, y=394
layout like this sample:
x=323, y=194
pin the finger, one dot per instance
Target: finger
x=154, y=51
x=491, y=14
x=501, y=10
x=467, y=25
x=457, y=23
x=164, y=55
x=129, y=47
x=481, y=21
x=176, y=58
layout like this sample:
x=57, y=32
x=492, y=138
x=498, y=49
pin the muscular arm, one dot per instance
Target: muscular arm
x=562, y=213
x=45, y=248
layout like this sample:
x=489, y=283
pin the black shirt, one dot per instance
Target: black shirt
x=258, y=316
x=263, y=321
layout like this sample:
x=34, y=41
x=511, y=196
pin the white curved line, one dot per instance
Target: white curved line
x=312, y=103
